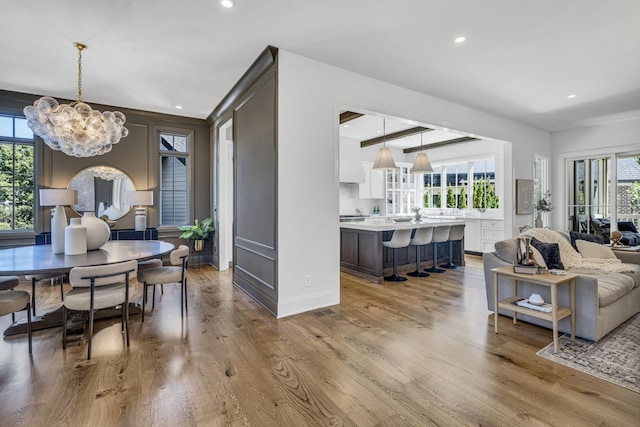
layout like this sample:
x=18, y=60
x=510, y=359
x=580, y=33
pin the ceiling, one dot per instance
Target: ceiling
x=520, y=60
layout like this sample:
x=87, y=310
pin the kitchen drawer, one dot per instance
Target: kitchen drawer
x=493, y=223
x=493, y=234
x=488, y=246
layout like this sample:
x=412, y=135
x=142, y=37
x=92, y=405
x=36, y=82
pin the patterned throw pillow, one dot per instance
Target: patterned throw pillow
x=627, y=226
x=550, y=252
x=595, y=238
x=594, y=250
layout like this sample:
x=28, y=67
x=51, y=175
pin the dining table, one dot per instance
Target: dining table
x=40, y=259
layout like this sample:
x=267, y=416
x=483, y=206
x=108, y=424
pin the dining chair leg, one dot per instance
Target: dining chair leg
x=153, y=301
x=186, y=306
x=90, y=333
x=29, y=332
x=144, y=298
x=125, y=321
x=64, y=327
x=62, y=288
x=182, y=299
x=33, y=295
x=161, y=289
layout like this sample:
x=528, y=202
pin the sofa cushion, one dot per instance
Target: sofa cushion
x=627, y=226
x=611, y=286
x=550, y=252
x=594, y=250
x=584, y=236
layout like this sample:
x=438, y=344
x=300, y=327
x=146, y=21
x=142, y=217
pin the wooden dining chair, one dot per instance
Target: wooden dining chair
x=98, y=287
x=175, y=273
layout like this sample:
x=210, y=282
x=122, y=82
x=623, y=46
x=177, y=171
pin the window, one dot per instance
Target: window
x=16, y=174
x=174, y=178
x=628, y=189
x=588, y=192
x=484, y=185
x=432, y=188
x=456, y=182
x=540, y=177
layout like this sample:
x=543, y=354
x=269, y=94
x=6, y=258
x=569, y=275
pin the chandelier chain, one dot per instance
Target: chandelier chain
x=80, y=75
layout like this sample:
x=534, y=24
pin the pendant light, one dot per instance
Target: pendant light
x=384, y=159
x=422, y=163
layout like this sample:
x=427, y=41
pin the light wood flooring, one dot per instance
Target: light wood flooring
x=421, y=353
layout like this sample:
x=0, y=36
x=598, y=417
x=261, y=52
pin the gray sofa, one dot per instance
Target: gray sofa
x=603, y=300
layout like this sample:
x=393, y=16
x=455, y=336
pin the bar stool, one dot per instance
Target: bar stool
x=455, y=233
x=440, y=234
x=422, y=237
x=400, y=239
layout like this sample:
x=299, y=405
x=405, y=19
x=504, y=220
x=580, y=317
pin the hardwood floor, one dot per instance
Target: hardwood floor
x=422, y=352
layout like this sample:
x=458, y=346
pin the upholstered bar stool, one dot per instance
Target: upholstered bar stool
x=399, y=239
x=456, y=232
x=440, y=234
x=46, y=276
x=422, y=237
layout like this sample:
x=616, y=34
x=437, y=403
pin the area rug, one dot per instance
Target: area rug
x=615, y=358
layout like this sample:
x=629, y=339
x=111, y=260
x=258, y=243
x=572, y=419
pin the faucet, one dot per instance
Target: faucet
x=358, y=211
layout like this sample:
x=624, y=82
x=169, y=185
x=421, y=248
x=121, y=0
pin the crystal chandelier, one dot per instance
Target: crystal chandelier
x=76, y=129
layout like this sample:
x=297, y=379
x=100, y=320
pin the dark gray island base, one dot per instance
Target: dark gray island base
x=362, y=253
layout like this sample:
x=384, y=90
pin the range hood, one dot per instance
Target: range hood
x=351, y=169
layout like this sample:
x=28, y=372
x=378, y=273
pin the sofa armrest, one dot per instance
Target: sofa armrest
x=628, y=257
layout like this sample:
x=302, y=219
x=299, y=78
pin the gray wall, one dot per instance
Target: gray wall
x=136, y=155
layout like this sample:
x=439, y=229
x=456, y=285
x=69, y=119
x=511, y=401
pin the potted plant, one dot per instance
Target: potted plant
x=197, y=232
x=543, y=204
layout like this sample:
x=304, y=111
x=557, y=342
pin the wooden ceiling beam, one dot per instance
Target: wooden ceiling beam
x=347, y=116
x=392, y=136
x=440, y=144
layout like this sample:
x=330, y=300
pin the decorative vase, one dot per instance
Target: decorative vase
x=417, y=217
x=58, y=223
x=198, y=245
x=539, y=220
x=75, y=238
x=97, y=230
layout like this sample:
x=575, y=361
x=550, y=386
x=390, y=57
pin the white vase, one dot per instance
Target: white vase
x=58, y=223
x=98, y=231
x=539, y=220
x=75, y=238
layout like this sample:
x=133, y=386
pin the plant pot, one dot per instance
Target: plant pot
x=198, y=245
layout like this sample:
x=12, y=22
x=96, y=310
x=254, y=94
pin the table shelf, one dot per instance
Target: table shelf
x=510, y=304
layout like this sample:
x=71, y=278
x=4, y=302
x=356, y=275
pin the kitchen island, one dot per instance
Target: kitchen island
x=362, y=252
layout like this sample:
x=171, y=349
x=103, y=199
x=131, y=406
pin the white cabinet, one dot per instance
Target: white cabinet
x=373, y=185
x=480, y=235
x=401, y=190
x=492, y=232
x=472, y=235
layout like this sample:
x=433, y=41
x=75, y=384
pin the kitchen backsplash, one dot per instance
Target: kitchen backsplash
x=350, y=201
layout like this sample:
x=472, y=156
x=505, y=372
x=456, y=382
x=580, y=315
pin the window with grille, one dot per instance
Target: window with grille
x=17, y=181
x=174, y=178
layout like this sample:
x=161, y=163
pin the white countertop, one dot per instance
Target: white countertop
x=382, y=225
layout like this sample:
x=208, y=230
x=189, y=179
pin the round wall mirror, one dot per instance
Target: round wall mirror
x=101, y=189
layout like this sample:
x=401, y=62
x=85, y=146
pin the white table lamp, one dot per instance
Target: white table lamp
x=58, y=198
x=140, y=198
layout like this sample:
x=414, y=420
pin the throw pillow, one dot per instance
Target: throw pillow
x=594, y=250
x=550, y=252
x=595, y=238
x=627, y=226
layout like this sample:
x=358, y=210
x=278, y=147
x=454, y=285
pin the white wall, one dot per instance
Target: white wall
x=310, y=95
x=621, y=137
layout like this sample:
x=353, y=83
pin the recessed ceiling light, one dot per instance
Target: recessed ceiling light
x=179, y=107
x=227, y=3
x=346, y=126
x=460, y=39
x=573, y=95
x=378, y=131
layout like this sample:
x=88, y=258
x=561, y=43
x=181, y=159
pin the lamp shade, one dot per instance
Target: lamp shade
x=384, y=159
x=140, y=198
x=422, y=164
x=58, y=197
